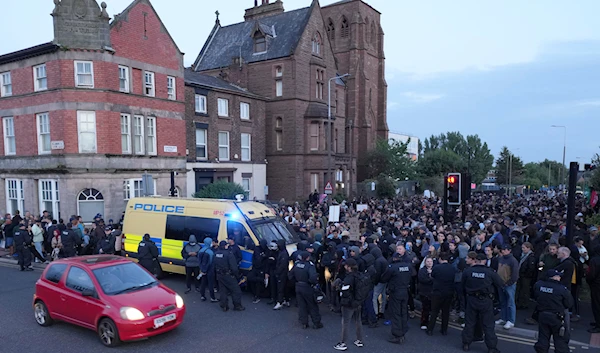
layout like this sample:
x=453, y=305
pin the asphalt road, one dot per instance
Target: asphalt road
x=207, y=329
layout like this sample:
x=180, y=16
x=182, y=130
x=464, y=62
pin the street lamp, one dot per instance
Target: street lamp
x=561, y=176
x=329, y=124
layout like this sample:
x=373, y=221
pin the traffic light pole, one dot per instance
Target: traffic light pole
x=445, y=200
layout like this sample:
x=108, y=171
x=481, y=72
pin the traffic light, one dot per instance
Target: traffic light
x=454, y=189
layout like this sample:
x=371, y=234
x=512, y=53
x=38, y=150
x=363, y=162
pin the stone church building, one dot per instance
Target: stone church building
x=294, y=59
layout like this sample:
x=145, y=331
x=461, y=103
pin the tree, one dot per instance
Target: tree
x=458, y=154
x=389, y=158
x=220, y=190
x=385, y=186
x=543, y=173
x=503, y=168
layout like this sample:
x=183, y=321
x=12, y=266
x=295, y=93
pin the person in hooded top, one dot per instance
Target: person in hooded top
x=206, y=257
x=189, y=253
x=258, y=275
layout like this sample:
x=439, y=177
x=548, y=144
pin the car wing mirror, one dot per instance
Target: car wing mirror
x=89, y=293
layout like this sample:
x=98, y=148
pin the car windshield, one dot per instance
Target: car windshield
x=123, y=278
x=273, y=231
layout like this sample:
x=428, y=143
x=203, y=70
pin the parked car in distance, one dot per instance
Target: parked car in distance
x=111, y=295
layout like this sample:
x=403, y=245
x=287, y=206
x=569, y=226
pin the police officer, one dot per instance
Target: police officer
x=22, y=243
x=477, y=282
x=70, y=241
x=304, y=274
x=398, y=277
x=227, y=273
x=147, y=253
x=552, y=301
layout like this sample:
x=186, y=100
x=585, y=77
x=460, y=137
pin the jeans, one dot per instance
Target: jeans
x=351, y=314
x=508, y=309
x=377, y=291
x=368, y=312
x=38, y=246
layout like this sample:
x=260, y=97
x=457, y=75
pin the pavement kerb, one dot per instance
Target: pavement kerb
x=16, y=263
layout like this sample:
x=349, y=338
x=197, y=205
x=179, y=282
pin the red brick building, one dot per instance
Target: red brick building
x=292, y=58
x=85, y=116
x=225, y=135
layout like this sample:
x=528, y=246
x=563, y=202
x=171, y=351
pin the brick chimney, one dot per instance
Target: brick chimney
x=265, y=9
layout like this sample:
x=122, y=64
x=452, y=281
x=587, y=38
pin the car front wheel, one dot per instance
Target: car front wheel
x=108, y=333
x=42, y=316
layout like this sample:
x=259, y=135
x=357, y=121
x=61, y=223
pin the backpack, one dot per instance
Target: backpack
x=362, y=287
x=371, y=272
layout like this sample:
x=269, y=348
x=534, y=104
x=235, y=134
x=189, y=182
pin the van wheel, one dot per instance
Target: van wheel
x=42, y=316
x=108, y=333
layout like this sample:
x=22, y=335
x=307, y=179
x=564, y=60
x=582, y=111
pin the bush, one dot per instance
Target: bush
x=593, y=220
x=221, y=190
x=340, y=197
x=385, y=187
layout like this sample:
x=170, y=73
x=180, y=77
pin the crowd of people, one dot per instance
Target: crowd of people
x=46, y=239
x=376, y=265
x=507, y=255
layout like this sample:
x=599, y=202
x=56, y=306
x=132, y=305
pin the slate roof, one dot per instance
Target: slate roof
x=196, y=78
x=224, y=42
x=23, y=54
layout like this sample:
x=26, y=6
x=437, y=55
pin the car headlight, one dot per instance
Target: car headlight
x=131, y=314
x=178, y=301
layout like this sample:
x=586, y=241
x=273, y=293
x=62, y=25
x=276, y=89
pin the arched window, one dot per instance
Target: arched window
x=330, y=29
x=316, y=44
x=345, y=32
x=373, y=34
x=90, y=202
x=278, y=71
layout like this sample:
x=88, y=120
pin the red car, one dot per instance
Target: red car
x=109, y=294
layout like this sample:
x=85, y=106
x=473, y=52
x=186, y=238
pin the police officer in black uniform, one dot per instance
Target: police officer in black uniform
x=227, y=274
x=552, y=301
x=398, y=277
x=22, y=244
x=147, y=253
x=70, y=241
x=304, y=274
x=477, y=282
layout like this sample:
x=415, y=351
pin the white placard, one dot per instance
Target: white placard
x=170, y=149
x=334, y=213
x=360, y=208
x=57, y=145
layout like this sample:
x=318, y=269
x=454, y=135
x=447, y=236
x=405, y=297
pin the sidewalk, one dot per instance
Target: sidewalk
x=6, y=258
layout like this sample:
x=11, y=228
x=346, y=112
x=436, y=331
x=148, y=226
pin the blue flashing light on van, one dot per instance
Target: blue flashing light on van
x=148, y=207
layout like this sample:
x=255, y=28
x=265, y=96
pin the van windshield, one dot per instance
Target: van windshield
x=274, y=230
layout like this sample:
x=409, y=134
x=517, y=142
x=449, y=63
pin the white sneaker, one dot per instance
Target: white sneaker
x=423, y=327
x=509, y=325
x=359, y=343
x=341, y=346
x=500, y=322
x=278, y=306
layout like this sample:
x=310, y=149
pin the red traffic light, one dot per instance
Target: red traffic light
x=451, y=179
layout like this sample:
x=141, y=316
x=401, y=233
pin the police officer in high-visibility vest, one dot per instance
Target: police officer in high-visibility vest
x=552, y=301
x=227, y=273
x=478, y=282
x=304, y=274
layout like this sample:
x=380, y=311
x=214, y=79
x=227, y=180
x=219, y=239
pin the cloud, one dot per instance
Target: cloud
x=392, y=105
x=422, y=97
x=588, y=103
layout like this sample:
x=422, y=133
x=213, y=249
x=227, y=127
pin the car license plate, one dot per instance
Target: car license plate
x=163, y=320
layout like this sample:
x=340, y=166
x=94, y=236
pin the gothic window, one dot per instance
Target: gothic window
x=331, y=29
x=316, y=44
x=345, y=32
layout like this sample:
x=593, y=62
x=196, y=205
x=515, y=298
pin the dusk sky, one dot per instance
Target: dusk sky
x=506, y=70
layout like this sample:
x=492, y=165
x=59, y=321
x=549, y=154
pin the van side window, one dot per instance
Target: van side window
x=237, y=231
x=181, y=227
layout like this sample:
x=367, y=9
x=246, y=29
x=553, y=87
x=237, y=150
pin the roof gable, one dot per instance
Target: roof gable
x=283, y=32
x=123, y=15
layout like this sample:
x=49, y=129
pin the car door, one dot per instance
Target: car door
x=81, y=309
x=51, y=289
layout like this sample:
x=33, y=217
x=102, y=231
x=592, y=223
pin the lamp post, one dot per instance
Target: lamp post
x=329, y=125
x=562, y=171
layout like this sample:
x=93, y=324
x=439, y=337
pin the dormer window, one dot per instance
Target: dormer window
x=316, y=44
x=260, y=43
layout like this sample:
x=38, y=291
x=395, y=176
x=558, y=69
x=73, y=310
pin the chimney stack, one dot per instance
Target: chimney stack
x=266, y=9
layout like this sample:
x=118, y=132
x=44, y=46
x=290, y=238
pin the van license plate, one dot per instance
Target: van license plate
x=163, y=320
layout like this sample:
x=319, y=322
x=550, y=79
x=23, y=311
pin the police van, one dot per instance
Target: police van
x=171, y=221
